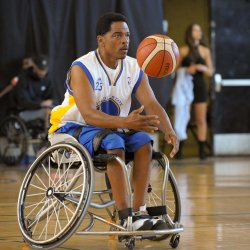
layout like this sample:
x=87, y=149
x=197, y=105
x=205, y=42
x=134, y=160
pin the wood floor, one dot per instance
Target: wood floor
x=215, y=197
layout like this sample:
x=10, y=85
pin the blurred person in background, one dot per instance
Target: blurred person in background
x=195, y=62
x=34, y=93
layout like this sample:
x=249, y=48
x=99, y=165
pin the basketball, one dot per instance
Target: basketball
x=157, y=55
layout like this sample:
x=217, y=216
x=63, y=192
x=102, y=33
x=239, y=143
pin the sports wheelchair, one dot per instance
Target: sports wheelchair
x=58, y=195
x=17, y=135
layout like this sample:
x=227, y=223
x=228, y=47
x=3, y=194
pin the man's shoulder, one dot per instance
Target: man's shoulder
x=130, y=61
x=86, y=57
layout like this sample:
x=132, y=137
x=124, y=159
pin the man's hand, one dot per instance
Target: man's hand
x=147, y=123
x=171, y=138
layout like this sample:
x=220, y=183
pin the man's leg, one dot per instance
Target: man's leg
x=118, y=184
x=114, y=144
x=141, y=178
x=117, y=180
x=141, y=174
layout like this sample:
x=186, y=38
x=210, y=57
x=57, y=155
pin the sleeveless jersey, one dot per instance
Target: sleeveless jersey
x=112, y=89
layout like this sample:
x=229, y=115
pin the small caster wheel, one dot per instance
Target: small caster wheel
x=121, y=238
x=175, y=240
x=130, y=244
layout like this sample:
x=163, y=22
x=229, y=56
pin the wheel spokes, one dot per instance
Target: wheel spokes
x=54, y=194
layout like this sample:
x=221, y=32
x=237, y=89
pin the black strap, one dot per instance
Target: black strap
x=156, y=211
x=98, y=138
x=100, y=135
x=125, y=213
x=77, y=132
x=104, y=158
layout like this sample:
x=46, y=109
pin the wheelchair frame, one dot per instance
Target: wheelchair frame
x=16, y=137
x=65, y=155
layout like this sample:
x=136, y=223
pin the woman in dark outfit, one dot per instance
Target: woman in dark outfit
x=195, y=56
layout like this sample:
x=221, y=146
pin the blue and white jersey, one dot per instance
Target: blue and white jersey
x=112, y=89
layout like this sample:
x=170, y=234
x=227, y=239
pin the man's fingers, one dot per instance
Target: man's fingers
x=139, y=110
x=173, y=140
x=173, y=152
x=151, y=119
x=149, y=129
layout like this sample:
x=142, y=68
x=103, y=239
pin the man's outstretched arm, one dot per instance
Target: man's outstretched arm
x=146, y=97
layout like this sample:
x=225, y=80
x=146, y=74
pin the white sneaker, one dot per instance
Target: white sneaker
x=141, y=220
x=144, y=220
x=139, y=224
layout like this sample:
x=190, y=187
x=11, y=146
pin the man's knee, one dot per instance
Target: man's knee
x=117, y=151
x=145, y=151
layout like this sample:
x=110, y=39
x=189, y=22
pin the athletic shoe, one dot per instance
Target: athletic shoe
x=141, y=220
x=159, y=224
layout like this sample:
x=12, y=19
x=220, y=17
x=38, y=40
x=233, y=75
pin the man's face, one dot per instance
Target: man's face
x=41, y=73
x=116, y=41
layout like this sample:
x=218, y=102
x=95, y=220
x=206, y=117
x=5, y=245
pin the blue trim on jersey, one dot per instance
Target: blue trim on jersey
x=86, y=71
x=103, y=67
x=138, y=82
x=67, y=87
x=119, y=73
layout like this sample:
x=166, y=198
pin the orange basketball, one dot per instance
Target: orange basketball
x=157, y=55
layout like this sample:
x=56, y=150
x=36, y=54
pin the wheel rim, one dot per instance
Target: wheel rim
x=53, y=194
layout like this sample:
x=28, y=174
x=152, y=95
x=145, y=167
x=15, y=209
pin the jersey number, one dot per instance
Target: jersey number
x=98, y=86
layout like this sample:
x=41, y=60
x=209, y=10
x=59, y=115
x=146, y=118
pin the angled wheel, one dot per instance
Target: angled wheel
x=172, y=197
x=55, y=195
x=13, y=140
x=174, y=241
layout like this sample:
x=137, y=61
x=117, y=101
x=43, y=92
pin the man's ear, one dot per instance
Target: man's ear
x=100, y=40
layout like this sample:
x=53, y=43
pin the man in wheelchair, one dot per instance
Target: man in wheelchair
x=99, y=86
x=34, y=93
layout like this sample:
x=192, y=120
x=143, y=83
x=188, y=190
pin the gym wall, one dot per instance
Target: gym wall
x=231, y=105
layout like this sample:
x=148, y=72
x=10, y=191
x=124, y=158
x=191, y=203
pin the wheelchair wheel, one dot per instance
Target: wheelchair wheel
x=55, y=195
x=173, y=203
x=13, y=140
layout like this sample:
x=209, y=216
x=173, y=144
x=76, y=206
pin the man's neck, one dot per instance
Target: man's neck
x=108, y=61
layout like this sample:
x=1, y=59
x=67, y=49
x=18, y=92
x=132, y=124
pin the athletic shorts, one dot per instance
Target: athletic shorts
x=116, y=140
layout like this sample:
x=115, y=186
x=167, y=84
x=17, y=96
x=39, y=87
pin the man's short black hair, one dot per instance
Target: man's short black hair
x=104, y=23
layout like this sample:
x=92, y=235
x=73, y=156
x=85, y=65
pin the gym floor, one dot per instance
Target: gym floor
x=215, y=197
